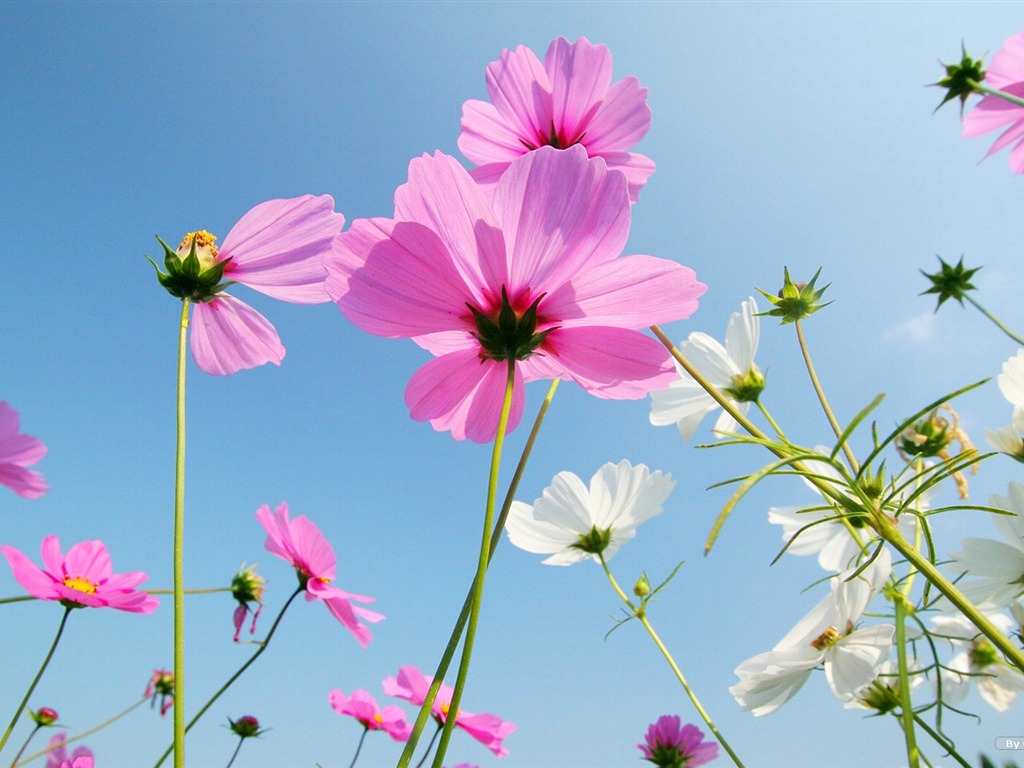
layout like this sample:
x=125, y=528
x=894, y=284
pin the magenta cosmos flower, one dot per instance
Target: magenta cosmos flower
x=669, y=745
x=536, y=277
x=57, y=756
x=277, y=248
x=568, y=99
x=363, y=707
x=17, y=452
x=81, y=579
x=300, y=542
x=412, y=685
x=1005, y=73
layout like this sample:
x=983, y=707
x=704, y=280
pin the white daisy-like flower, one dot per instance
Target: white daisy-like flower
x=1009, y=439
x=995, y=569
x=829, y=636
x=883, y=695
x=1011, y=380
x=998, y=681
x=572, y=522
x=731, y=369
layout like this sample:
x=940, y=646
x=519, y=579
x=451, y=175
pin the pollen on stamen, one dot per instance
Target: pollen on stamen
x=378, y=718
x=203, y=239
x=826, y=639
x=80, y=584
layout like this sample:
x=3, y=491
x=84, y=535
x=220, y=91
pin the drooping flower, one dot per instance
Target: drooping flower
x=829, y=636
x=300, y=542
x=1005, y=73
x=412, y=685
x=247, y=586
x=567, y=100
x=57, y=756
x=363, y=707
x=17, y=452
x=731, y=369
x=277, y=248
x=161, y=686
x=571, y=522
x=998, y=681
x=994, y=570
x=83, y=578
x=536, y=279
x=669, y=744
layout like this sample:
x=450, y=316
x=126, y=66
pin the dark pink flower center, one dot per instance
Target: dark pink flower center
x=504, y=333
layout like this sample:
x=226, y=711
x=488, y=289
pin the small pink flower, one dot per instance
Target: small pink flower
x=412, y=685
x=670, y=746
x=17, y=452
x=363, y=707
x=277, y=249
x=57, y=757
x=568, y=99
x=161, y=684
x=1005, y=73
x=82, y=579
x=536, y=278
x=300, y=542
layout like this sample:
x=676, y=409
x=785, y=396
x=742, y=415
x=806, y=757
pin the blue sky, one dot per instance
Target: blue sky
x=796, y=135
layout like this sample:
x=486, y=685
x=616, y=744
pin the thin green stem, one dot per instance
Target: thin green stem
x=83, y=734
x=764, y=412
x=460, y=623
x=907, y=715
x=235, y=753
x=234, y=677
x=996, y=92
x=210, y=591
x=35, y=681
x=359, y=747
x=430, y=746
x=999, y=323
x=18, y=599
x=24, y=746
x=481, y=569
x=641, y=614
x=942, y=741
x=179, y=548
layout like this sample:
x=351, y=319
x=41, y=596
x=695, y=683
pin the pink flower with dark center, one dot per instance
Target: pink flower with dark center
x=567, y=100
x=412, y=685
x=363, y=707
x=536, y=278
x=82, y=579
x=670, y=746
x=17, y=452
x=277, y=248
x=1005, y=73
x=57, y=757
x=300, y=542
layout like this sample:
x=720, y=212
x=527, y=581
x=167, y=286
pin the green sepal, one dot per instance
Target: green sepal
x=961, y=79
x=185, y=277
x=950, y=282
x=796, y=300
x=510, y=336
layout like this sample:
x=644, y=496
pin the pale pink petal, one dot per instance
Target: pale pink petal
x=17, y=452
x=277, y=248
x=630, y=292
x=397, y=279
x=1007, y=65
x=10, y=423
x=410, y=684
x=21, y=449
x=635, y=167
x=580, y=74
x=623, y=119
x=133, y=601
x=89, y=560
x=337, y=602
x=989, y=114
x=561, y=214
x=229, y=335
x=443, y=342
x=462, y=394
x=521, y=93
x=297, y=541
x=442, y=196
x=53, y=556
x=36, y=582
x=24, y=482
x=490, y=730
x=486, y=138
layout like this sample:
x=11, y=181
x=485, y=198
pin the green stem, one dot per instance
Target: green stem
x=234, y=677
x=430, y=746
x=35, y=681
x=83, y=734
x=210, y=591
x=359, y=747
x=641, y=614
x=18, y=599
x=481, y=569
x=764, y=412
x=179, y=548
x=996, y=92
x=942, y=741
x=907, y=715
x=235, y=753
x=24, y=746
x=460, y=623
x=999, y=323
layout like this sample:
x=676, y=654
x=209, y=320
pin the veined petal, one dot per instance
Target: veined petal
x=36, y=581
x=742, y=335
x=521, y=93
x=486, y=137
x=462, y=394
x=629, y=292
x=623, y=496
x=542, y=537
x=229, y=335
x=635, y=167
x=277, y=248
x=1007, y=65
x=684, y=403
x=89, y=560
x=561, y=214
x=853, y=663
x=622, y=120
x=579, y=74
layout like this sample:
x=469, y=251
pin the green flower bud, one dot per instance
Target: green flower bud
x=961, y=79
x=193, y=271
x=796, y=300
x=747, y=387
x=642, y=588
x=44, y=716
x=950, y=282
x=246, y=726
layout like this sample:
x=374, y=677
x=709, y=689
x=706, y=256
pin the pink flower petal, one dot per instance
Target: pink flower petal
x=490, y=730
x=24, y=482
x=622, y=120
x=36, y=582
x=277, y=248
x=17, y=452
x=89, y=560
x=228, y=335
x=486, y=138
x=521, y=93
x=580, y=74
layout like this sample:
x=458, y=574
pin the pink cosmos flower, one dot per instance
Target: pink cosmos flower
x=412, y=685
x=363, y=707
x=300, y=542
x=535, y=277
x=82, y=757
x=568, y=99
x=670, y=746
x=1005, y=73
x=82, y=579
x=17, y=452
x=277, y=249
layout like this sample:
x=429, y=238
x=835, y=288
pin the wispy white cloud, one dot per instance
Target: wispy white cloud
x=919, y=329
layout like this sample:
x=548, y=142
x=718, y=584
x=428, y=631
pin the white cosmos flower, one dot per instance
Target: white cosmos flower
x=1011, y=380
x=995, y=569
x=1009, y=439
x=600, y=518
x=852, y=656
x=731, y=369
x=998, y=682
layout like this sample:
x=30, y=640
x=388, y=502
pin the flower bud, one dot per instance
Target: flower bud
x=193, y=271
x=796, y=300
x=642, y=588
x=44, y=716
x=246, y=726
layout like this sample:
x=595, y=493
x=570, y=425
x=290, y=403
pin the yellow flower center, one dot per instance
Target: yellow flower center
x=378, y=718
x=80, y=584
x=206, y=250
